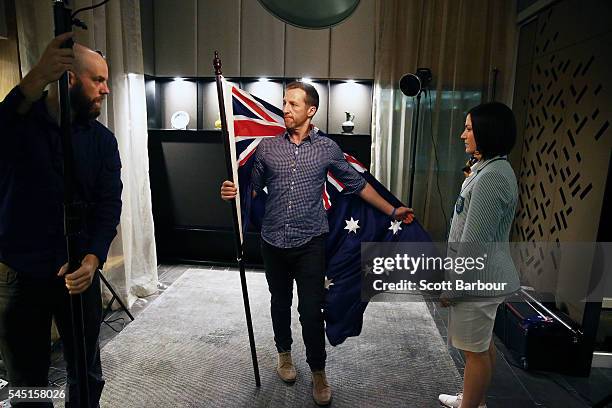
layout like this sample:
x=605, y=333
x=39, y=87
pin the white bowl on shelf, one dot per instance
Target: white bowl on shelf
x=179, y=120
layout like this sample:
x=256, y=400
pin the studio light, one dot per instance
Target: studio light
x=414, y=84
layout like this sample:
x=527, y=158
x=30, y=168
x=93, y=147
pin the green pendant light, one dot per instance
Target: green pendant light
x=313, y=14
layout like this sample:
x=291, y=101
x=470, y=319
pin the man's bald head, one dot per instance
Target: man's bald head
x=88, y=82
x=85, y=57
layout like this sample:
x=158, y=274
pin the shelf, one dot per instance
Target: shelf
x=198, y=97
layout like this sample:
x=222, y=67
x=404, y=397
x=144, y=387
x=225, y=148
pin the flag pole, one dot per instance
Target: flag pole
x=237, y=241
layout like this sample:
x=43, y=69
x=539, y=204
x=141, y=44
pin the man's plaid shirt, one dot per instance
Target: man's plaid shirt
x=295, y=176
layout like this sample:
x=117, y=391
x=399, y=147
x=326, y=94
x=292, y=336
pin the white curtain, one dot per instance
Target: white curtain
x=461, y=41
x=113, y=29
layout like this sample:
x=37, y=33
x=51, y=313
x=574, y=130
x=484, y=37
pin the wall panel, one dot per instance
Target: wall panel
x=218, y=29
x=262, y=39
x=352, y=44
x=175, y=37
x=306, y=53
x=567, y=140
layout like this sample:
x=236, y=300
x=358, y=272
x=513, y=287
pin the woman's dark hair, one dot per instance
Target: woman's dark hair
x=494, y=129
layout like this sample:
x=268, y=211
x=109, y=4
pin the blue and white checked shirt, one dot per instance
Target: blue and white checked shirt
x=295, y=176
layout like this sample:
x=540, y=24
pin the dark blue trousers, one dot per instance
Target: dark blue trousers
x=305, y=264
x=26, y=309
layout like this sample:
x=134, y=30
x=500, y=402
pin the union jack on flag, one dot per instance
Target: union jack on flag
x=351, y=220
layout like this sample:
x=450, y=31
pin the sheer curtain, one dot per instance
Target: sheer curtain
x=113, y=29
x=462, y=42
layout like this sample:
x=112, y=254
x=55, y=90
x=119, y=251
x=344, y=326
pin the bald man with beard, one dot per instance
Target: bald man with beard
x=34, y=284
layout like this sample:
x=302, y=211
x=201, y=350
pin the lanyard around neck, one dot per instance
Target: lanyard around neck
x=473, y=177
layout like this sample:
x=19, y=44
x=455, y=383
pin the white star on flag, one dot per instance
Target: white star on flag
x=352, y=225
x=328, y=283
x=395, y=226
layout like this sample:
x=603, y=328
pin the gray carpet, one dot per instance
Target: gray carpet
x=189, y=348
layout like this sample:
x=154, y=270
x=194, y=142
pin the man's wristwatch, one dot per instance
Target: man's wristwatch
x=393, y=213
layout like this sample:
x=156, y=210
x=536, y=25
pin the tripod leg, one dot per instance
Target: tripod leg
x=115, y=296
x=108, y=307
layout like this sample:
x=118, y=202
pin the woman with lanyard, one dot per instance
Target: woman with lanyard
x=482, y=218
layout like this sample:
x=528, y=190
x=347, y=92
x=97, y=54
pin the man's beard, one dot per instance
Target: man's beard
x=83, y=107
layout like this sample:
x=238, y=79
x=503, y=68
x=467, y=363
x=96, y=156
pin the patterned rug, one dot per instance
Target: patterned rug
x=190, y=348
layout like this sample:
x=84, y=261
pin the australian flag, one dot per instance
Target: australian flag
x=351, y=220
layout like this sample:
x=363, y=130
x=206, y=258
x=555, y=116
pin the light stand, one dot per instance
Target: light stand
x=413, y=85
x=74, y=214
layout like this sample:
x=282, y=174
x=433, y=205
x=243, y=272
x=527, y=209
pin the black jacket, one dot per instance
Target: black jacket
x=31, y=188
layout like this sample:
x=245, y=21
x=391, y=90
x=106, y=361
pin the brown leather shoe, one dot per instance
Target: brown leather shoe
x=285, y=368
x=321, y=391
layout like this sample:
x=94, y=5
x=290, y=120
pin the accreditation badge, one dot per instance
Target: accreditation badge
x=459, y=204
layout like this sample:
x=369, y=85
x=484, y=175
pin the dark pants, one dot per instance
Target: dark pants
x=26, y=309
x=305, y=264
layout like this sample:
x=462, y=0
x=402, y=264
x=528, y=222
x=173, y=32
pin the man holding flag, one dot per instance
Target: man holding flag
x=293, y=167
